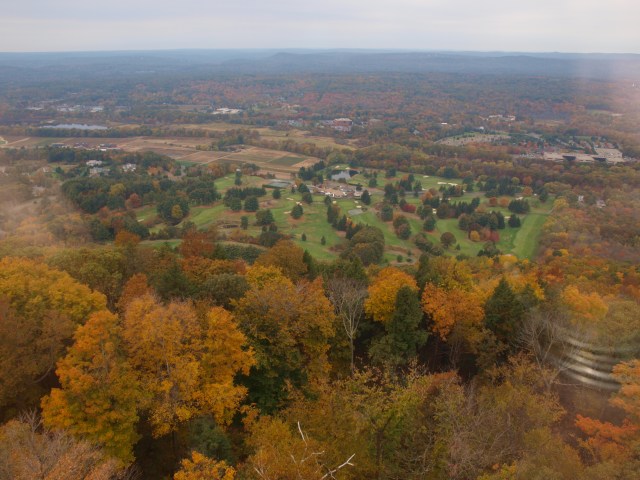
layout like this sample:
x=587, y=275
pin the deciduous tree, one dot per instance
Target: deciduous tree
x=287, y=256
x=347, y=296
x=42, y=309
x=289, y=327
x=383, y=292
x=200, y=467
x=100, y=393
x=186, y=365
x=28, y=452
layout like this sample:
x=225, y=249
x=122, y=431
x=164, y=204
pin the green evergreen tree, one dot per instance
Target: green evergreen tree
x=366, y=197
x=386, y=213
x=514, y=221
x=276, y=194
x=404, y=336
x=342, y=224
x=297, y=211
x=333, y=211
x=251, y=204
x=264, y=217
x=235, y=204
x=312, y=266
x=504, y=312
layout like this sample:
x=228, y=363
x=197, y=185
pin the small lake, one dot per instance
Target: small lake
x=342, y=174
x=77, y=126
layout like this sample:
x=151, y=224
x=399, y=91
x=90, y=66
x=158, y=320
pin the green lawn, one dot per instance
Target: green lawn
x=146, y=212
x=525, y=243
x=521, y=241
x=228, y=181
x=44, y=142
x=287, y=160
x=158, y=243
x=203, y=216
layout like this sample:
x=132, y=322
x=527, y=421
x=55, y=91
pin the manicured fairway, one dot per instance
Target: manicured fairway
x=521, y=242
x=525, y=243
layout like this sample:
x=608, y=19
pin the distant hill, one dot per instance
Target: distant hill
x=34, y=68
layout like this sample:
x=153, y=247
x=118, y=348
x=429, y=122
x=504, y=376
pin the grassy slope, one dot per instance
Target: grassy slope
x=525, y=242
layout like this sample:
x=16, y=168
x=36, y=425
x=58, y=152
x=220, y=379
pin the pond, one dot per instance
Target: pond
x=77, y=126
x=342, y=174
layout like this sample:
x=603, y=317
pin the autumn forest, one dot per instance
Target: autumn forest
x=306, y=266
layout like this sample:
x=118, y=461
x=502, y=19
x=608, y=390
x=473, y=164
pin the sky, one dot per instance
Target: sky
x=476, y=25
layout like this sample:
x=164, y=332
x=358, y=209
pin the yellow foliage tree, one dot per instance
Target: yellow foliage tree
x=42, y=308
x=585, y=308
x=281, y=453
x=198, y=269
x=33, y=289
x=287, y=256
x=185, y=364
x=100, y=393
x=384, y=290
x=200, y=467
x=451, y=309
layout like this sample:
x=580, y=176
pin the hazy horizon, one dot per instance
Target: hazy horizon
x=570, y=26
x=299, y=50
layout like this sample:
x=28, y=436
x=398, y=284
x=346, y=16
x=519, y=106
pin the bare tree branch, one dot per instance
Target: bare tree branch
x=347, y=296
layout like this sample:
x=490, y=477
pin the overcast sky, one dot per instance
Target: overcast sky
x=507, y=25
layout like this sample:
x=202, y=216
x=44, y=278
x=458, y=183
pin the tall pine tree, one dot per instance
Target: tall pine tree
x=403, y=333
x=504, y=312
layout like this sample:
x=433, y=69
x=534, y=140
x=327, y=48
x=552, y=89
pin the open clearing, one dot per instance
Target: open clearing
x=526, y=241
x=521, y=242
x=464, y=139
x=183, y=149
x=301, y=136
x=266, y=133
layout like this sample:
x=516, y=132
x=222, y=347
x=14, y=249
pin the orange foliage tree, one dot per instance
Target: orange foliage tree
x=200, y=467
x=383, y=292
x=287, y=256
x=617, y=443
x=186, y=364
x=100, y=392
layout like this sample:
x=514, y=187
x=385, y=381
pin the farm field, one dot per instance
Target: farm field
x=183, y=150
x=266, y=133
x=30, y=142
x=301, y=136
